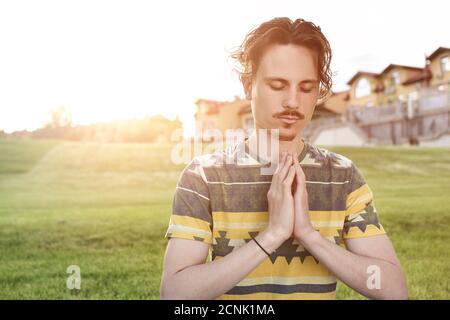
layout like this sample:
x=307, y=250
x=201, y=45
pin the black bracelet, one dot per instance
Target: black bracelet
x=260, y=246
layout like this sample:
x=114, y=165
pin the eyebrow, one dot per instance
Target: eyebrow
x=284, y=81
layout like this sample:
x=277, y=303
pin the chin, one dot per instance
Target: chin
x=288, y=134
x=286, y=137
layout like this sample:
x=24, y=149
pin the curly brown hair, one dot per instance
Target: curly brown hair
x=284, y=31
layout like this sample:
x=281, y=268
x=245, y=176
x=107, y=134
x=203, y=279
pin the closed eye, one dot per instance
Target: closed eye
x=277, y=88
x=304, y=87
x=306, y=90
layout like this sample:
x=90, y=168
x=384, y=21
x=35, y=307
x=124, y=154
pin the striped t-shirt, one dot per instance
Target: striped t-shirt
x=221, y=200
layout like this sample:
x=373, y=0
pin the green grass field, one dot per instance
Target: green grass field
x=105, y=208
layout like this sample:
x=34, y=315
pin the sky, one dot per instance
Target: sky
x=106, y=60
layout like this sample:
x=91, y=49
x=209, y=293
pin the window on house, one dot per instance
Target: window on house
x=395, y=78
x=413, y=95
x=445, y=64
x=362, y=88
x=389, y=88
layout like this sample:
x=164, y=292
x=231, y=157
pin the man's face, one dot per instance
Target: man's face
x=285, y=89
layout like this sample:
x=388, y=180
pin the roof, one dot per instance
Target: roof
x=214, y=107
x=437, y=52
x=362, y=73
x=402, y=66
x=208, y=102
x=237, y=99
x=424, y=75
x=336, y=103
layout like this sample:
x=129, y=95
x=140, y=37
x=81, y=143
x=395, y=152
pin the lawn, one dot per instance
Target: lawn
x=105, y=208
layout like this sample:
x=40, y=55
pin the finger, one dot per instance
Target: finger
x=287, y=183
x=300, y=176
x=284, y=170
x=294, y=183
x=296, y=159
x=296, y=166
x=301, y=189
x=280, y=163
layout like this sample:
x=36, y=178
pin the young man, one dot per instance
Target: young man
x=271, y=240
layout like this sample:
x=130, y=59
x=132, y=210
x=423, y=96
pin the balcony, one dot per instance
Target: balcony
x=429, y=101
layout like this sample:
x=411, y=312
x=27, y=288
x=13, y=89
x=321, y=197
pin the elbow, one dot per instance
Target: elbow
x=165, y=294
x=166, y=297
x=400, y=294
x=169, y=295
x=168, y=291
x=172, y=292
x=165, y=291
x=398, y=291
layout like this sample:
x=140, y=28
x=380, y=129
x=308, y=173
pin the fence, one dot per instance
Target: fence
x=425, y=117
x=429, y=100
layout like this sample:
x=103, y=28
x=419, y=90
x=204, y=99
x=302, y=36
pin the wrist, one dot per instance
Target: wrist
x=308, y=238
x=270, y=240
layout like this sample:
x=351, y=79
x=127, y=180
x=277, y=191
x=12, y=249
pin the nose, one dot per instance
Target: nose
x=292, y=100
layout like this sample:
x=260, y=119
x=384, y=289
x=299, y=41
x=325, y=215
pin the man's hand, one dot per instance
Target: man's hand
x=281, y=200
x=302, y=224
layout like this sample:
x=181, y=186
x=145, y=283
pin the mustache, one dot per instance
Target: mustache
x=292, y=113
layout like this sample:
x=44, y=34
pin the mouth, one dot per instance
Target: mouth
x=289, y=119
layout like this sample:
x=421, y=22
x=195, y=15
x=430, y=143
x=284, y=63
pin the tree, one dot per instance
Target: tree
x=60, y=117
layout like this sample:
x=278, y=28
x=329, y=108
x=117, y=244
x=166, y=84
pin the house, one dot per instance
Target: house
x=400, y=83
x=439, y=64
x=396, y=83
x=335, y=104
x=213, y=118
x=365, y=89
x=403, y=103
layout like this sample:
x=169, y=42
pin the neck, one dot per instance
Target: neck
x=255, y=141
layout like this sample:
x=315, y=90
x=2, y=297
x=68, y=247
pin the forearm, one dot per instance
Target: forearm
x=211, y=280
x=352, y=269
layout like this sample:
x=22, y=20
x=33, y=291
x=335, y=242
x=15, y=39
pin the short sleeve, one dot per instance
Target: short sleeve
x=361, y=218
x=191, y=211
